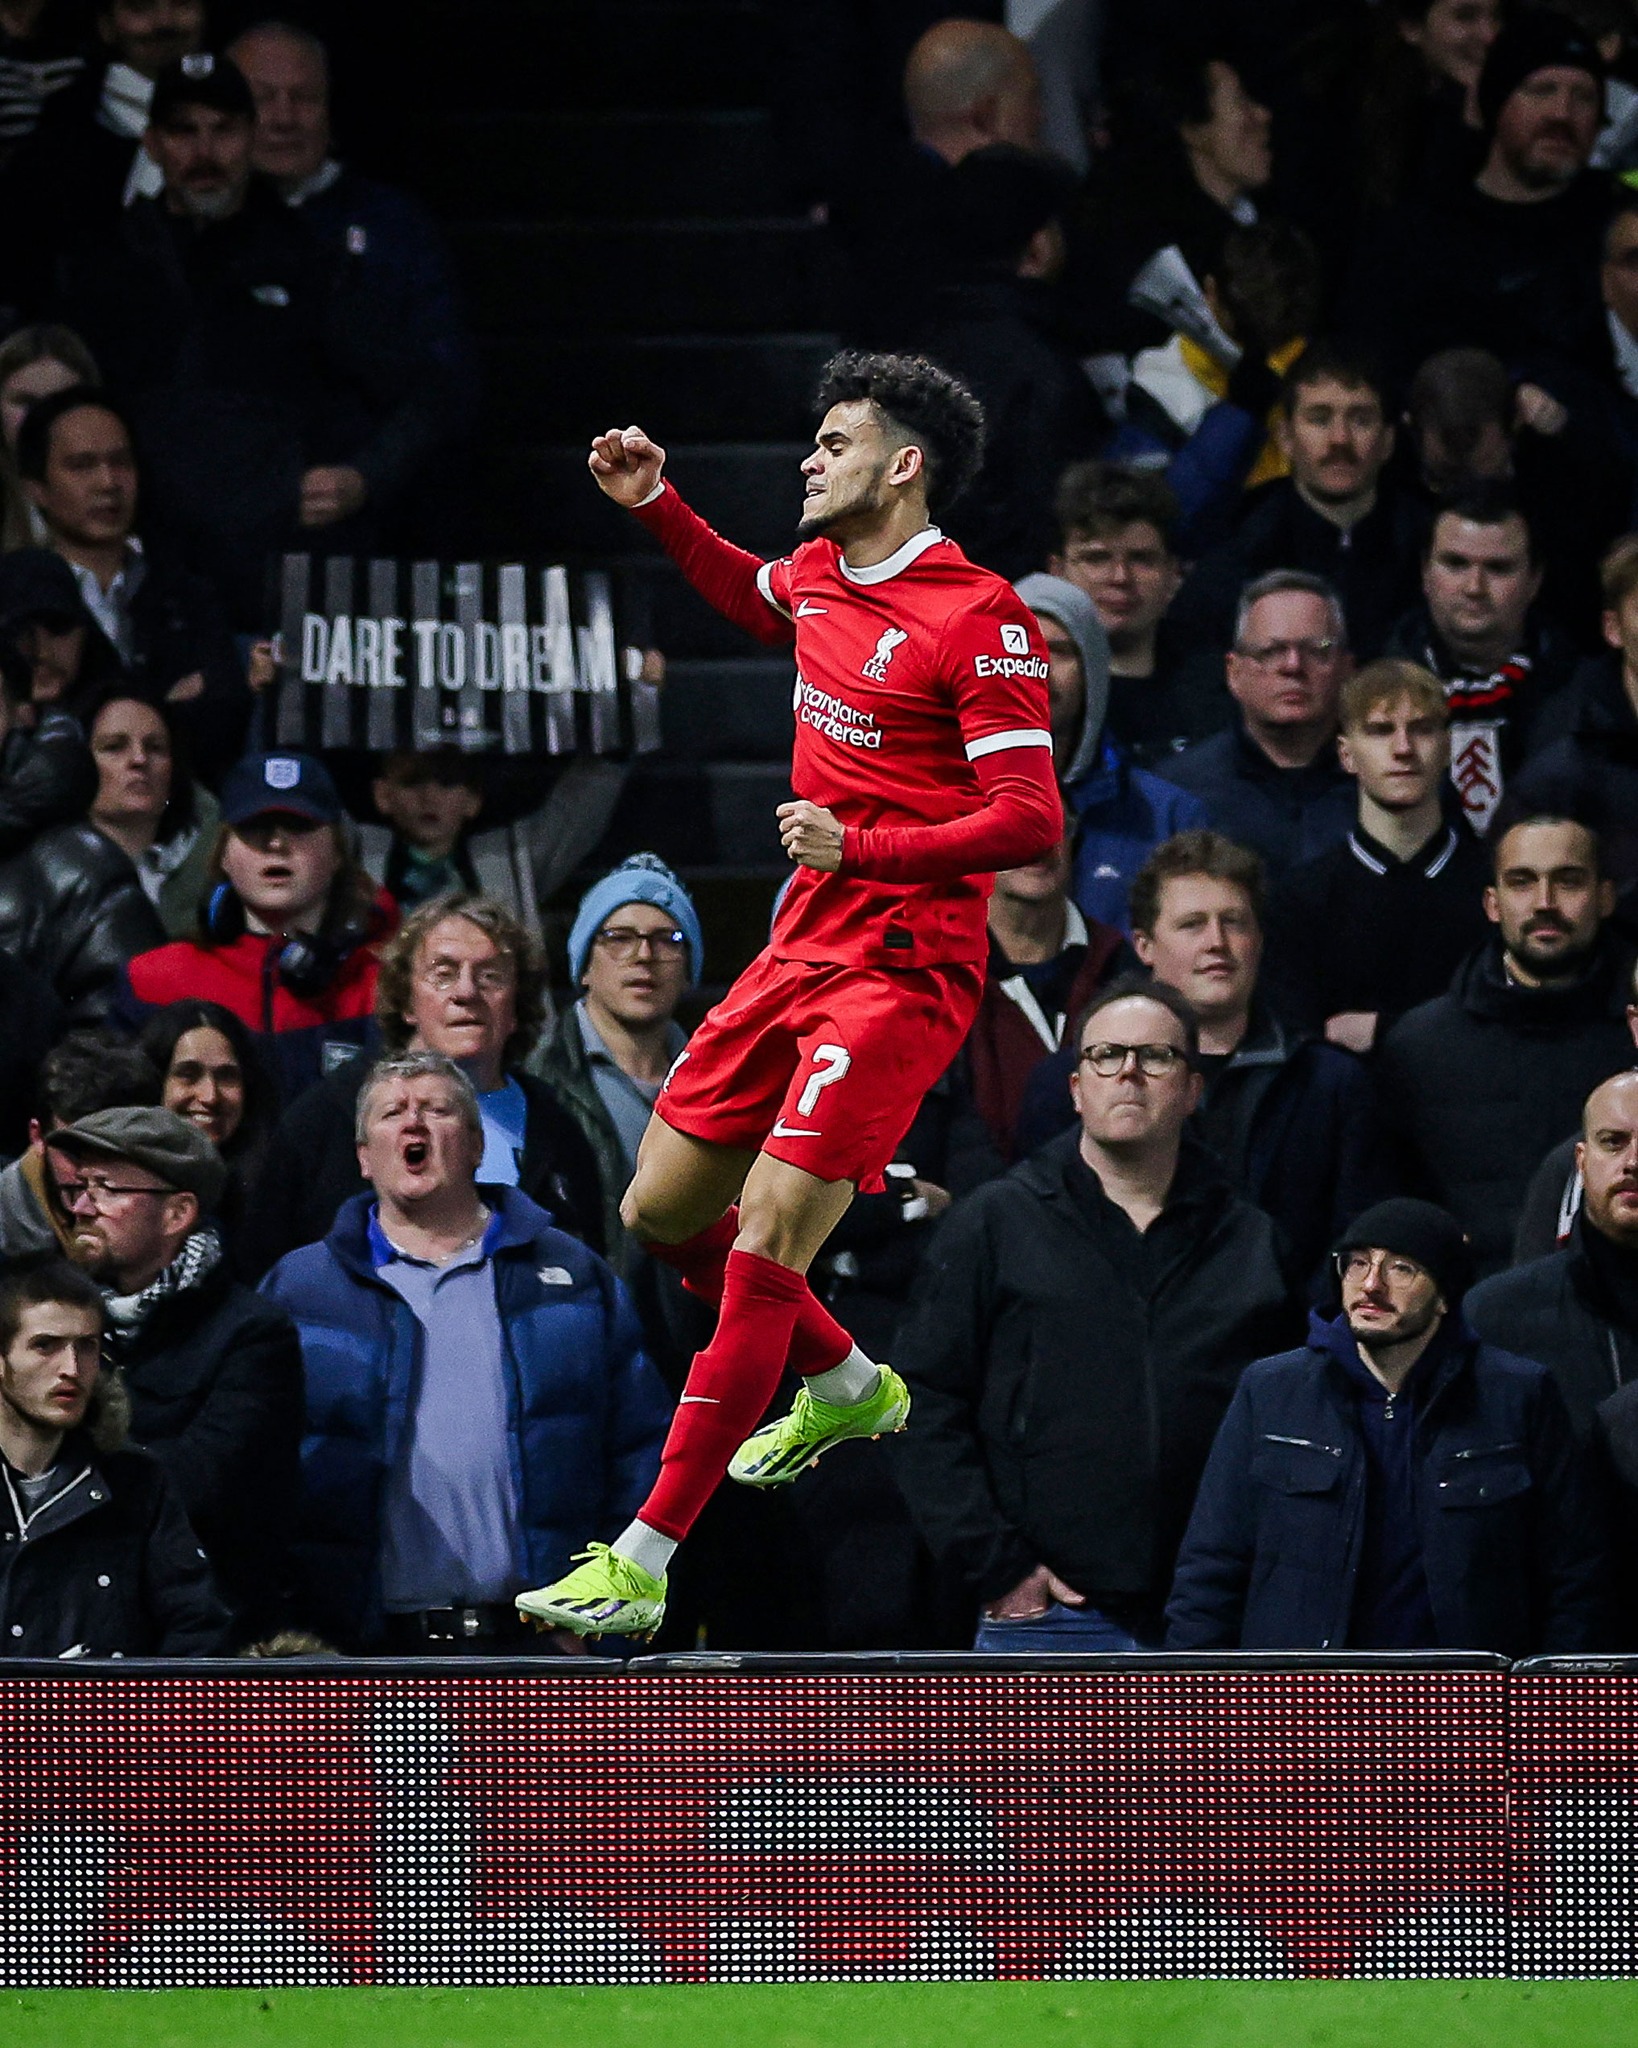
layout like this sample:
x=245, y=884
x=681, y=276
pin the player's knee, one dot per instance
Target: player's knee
x=650, y=1218
x=639, y=1217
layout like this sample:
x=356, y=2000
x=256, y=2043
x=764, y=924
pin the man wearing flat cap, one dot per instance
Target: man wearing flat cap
x=213, y=1370
x=1510, y=261
x=1397, y=1483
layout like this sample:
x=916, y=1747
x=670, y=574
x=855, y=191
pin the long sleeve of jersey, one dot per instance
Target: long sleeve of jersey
x=727, y=577
x=1020, y=818
x=998, y=672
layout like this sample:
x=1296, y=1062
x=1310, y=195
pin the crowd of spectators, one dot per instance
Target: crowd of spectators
x=1264, y=1269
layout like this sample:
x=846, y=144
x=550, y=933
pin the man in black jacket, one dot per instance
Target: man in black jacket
x=155, y=622
x=463, y=977
x=1508, y=262
x=1395, y=1484
x=1337, y=515
x=1075, y=1338
x=47, y=776
x=1577, y=1308
x=96, y=1555
x=1380, y=922
x=213, y=1370
x=1584, y=743
x=1477, y=1084
x=1479, y=631
x=271, y=400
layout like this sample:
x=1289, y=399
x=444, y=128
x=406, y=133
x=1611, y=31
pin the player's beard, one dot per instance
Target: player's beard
x=860, y=508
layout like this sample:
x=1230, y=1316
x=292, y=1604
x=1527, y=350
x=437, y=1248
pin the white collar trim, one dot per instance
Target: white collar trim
x=897, y=562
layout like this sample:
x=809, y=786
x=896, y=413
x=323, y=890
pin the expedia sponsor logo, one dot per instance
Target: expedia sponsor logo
x=838, y=720
x=1012, y=665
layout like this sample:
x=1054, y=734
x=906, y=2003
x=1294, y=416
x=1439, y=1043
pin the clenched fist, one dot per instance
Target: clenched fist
x=626, y=464
x=812, y=837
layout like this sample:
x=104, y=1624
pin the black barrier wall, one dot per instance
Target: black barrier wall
x=583, y=1821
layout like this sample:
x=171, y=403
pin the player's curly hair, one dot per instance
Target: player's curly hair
x=926, y=404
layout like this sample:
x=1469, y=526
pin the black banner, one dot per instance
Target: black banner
x=487, y=657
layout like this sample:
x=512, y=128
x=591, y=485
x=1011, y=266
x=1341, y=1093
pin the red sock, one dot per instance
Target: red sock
x=729, y=1384
x=817, y=1342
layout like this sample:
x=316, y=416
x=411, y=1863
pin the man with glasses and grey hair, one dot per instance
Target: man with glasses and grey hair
x=478, y=1396
x=1272, y=780
x=465, y=977
x=1075, y=1338
x=1396, y=1483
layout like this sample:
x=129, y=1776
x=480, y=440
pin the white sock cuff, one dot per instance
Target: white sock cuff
x=847, y=1384
x=645, y=1546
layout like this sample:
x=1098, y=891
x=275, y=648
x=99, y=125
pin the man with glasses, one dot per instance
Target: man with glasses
x=1075, y=1337
x=1396, y=1483
x=1118, y=543
x=1272, y=780
x=1290, y=1119
x=634, y=952
x=213, y=1371
x=461, y=977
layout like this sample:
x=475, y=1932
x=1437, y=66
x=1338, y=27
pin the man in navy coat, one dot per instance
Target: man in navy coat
x=1396, y=1484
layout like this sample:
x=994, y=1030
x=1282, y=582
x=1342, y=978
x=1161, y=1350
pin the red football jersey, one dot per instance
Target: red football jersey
x=907, y=673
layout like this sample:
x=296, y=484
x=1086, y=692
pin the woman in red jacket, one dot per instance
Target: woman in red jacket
x=289, y=928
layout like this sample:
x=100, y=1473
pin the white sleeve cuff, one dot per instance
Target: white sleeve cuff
x=657, y=492
x=998, y=742
x=764, y=583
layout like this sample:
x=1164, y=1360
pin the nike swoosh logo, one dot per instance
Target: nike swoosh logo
x=806, y=610
x=785, y=1130
x=704, y=1400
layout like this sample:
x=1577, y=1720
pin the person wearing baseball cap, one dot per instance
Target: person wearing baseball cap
x=1508, y=262
x=278, y=391
x=200, y=123
x=1397, y=1483
x=212, y=1369
x=288, y=928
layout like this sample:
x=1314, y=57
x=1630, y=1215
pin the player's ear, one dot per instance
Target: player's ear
x=909, y=463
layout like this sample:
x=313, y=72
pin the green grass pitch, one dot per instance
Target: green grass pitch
x=1170, y=2015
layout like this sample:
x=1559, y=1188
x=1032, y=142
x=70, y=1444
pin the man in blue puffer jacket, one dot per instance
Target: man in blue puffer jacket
x=477, y=1396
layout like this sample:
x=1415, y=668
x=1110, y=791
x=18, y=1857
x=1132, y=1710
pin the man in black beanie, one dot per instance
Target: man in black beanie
x=1510, y=262
x=1397, y=1483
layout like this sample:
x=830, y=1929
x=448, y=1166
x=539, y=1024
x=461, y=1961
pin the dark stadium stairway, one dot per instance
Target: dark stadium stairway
x=609, y=176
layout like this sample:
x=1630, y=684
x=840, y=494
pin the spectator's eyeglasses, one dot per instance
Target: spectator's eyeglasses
x=100, y=1193
x=1109, y=1059
x=1359, y=1266
x=1272, y=651
x=493, y=978
x=623, y=942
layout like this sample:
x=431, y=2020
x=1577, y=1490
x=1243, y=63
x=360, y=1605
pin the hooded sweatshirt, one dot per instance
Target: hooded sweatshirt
x=1121, y=813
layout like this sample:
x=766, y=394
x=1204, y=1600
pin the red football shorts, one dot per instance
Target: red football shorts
x=822, y=1066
